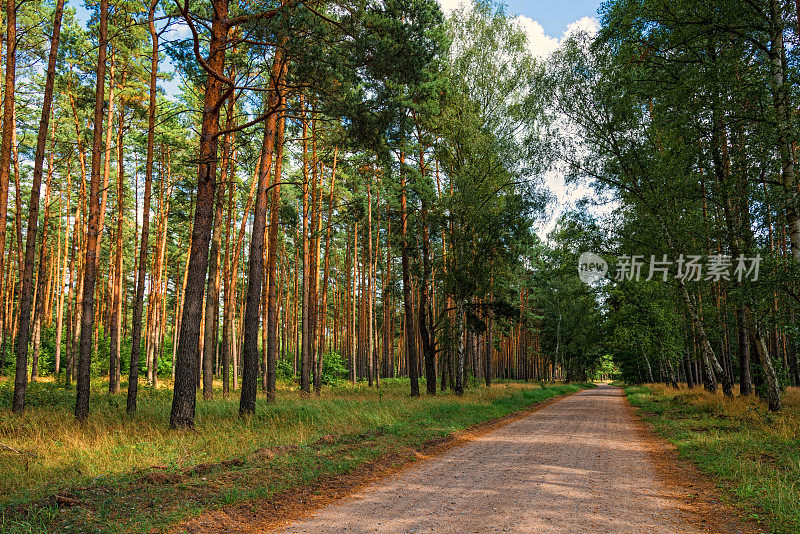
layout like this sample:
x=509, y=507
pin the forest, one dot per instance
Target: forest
x=351, y=209
x=249, y=203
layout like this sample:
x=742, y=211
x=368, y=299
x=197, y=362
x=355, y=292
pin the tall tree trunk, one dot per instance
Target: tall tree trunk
x=353, y=335
x=18, y=403
x=370, y=288
x=250, y=356
x=388, y=334
x=274, y=220
x=408, y=306
x=107, y=157
x=138, y=305
x=324, y=302
x=489, y=347
x=428, y=350
x=237, y=249
x=460, y=357
x=20, y=381
x=227, y=318
x=39, y=293
x=305, y=350
x=721, y=163
x=314, y=236
x=706, y=350
x=60, y=306
x=92, y=231
x=184, y=396
x=780, y=92
x=115, y=338
x=212, y=294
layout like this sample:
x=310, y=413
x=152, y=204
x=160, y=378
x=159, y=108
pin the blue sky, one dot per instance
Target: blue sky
x=554, y=16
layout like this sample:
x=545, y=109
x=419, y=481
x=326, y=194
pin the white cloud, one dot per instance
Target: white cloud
x=589, y=25
x=448, y=6
x=541, y=45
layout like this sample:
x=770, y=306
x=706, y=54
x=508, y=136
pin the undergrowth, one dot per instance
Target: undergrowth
x=753, y=454
x=121, y=473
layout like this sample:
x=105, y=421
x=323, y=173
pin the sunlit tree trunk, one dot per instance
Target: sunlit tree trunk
x=20, y=381
x=18, y=402
x=212, y=292
x=115, y=338
x=408, y=306
x=305, y=350
x=92, y=231
x=138, y=305
x=250, y=356
x=370, y=288
x=184, y=393
x=273, y=282
x=227, y=318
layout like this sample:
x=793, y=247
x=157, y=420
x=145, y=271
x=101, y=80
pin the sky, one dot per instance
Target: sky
x=546, y=22
x=554, y=16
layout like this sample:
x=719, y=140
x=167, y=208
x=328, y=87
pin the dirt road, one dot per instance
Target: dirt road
x=579, y=465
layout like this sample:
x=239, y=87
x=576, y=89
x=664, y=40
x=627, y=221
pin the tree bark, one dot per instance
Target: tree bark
x=9, y=126
x=274, y=220
x=780, y=103
x=115, y=338
x=370, y=288
x=39, y=293
x=773, y=392
x=305, y=349
x=428, y=350
x=92, y=231
x=212, y=296
x=184, y=394
x=408, y=307
x=353, y=335
x=138, y=305
x=18, y=403
x=250, y=356
x=460, y=357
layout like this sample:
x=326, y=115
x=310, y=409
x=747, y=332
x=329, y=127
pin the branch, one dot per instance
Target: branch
x=184, y=10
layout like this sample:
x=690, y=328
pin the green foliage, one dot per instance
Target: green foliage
x=333, y=368
x=284, y=370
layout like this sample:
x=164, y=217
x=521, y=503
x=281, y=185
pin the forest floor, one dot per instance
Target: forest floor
x=585, y=463
x=132, y=474
x=752, y=454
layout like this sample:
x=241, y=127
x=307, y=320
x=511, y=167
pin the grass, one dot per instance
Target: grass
x=132, y=474
x=753, y=454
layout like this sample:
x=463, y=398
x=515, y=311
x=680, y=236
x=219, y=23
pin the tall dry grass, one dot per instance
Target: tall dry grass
x=752, y=453
x=45, y=450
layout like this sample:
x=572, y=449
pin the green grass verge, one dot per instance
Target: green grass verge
x=752, y=454
x=132, y=474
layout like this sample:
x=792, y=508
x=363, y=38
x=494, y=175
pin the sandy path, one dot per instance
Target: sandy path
x=578, y=465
